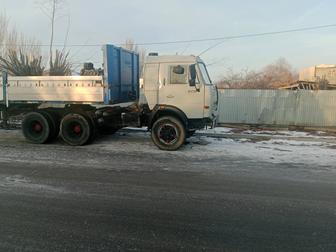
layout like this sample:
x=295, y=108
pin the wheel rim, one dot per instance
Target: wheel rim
x=37, y=127
x=75, y=130
x=168, y=134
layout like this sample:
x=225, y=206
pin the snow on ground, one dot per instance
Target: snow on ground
x=284, y=148
x=278, y=147
x=9, y=183
x=275, y=133
x=217, y=130
x=287, y=133
x=274, y=151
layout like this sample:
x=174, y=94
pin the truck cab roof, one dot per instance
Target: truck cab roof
x=172, y=59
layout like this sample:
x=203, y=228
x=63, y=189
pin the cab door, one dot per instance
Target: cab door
x=178, y=91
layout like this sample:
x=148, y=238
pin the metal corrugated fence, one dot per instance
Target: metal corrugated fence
x=277, y=107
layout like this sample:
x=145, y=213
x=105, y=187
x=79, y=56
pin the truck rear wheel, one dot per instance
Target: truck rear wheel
x=168, y=133
x=76, y=130
x=36, y=128
x=53, y=124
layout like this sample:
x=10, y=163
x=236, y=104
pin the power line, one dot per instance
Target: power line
x=266, y=34
x=250, y=35
x=211, y=47
x=244, y=35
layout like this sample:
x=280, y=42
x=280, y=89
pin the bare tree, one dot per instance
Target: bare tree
x=244, y=79
x=272, y=76
x=60, y=64
x=4, y=22
x=16, y=41
x=52, y=9
x=19, y=55
x=279, y=73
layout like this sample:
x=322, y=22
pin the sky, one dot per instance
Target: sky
x=113, y=21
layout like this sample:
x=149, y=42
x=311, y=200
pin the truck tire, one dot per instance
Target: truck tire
x=168, y=133
x=94, y=130
x=36, y=128
x=53, y=124
x=76, y=130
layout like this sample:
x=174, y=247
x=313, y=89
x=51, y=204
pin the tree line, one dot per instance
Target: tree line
x=272, y=76
x=21, y=55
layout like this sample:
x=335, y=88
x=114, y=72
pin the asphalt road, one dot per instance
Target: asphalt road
x=122, y=194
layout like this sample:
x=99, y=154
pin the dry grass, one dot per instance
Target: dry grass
x=20, y=64
x=60, y=66
x=22, y=56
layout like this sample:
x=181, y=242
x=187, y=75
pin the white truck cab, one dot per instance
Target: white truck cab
x=178, y=87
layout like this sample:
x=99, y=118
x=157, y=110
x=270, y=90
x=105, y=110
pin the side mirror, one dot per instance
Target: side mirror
x=193, y=75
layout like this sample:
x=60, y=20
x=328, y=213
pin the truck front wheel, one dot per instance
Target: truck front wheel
x=168, y=133
x=76, y=130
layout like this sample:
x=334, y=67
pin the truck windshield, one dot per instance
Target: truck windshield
x=205, y=74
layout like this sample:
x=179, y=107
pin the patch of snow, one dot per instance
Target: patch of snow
x=217, y=130
x=18, y=181
x=277, y=133
x=318, y=151
x=274, y=151
x=292, y=134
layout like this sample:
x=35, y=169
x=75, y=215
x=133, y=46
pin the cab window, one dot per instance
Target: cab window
x=205, y=74
x=179, y=74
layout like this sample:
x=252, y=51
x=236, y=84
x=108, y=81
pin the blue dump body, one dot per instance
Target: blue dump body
x=121, y=71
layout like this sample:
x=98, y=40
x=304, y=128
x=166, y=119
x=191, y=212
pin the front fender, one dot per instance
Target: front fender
x=167, y=110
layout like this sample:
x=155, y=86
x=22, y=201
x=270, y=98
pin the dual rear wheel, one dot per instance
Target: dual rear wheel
x=42, y=127
x=76, y=129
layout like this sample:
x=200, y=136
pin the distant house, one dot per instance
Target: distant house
x=320, y=77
